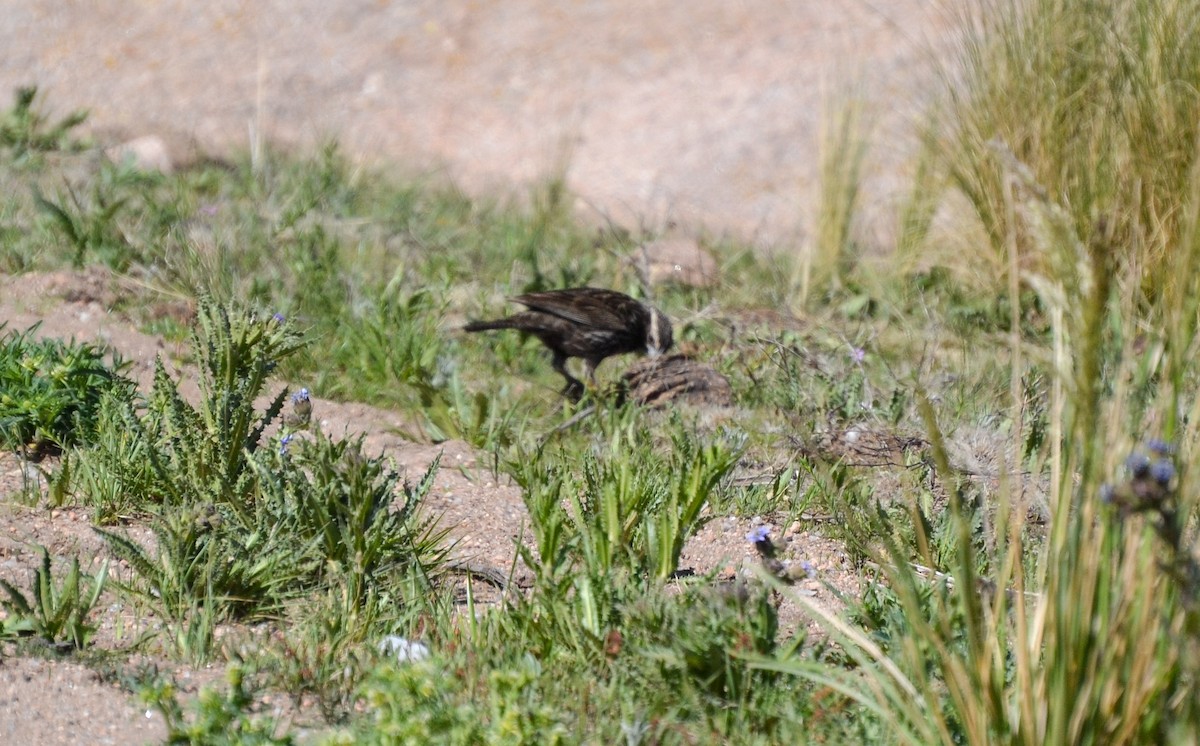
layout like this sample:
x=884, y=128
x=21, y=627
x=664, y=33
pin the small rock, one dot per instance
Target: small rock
x=403, y=650
x=680, y=260
x=148, y=153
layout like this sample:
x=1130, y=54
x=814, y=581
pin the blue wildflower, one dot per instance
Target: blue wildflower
x=1162, y=472
x=300, y=396
x=1159, y=447
x=1138, y=465
x=283, y=444
x=758, y=534
x=278, y=318
x=857, y=354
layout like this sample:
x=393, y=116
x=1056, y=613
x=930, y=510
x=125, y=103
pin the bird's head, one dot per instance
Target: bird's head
x=658, y=333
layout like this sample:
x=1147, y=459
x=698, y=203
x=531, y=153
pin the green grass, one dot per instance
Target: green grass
x=918, y=413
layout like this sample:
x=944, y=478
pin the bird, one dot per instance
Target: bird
x=588, y=323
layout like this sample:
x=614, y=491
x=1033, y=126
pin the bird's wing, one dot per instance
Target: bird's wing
x=603, y=309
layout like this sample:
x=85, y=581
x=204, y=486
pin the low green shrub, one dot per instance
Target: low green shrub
x=51, y=391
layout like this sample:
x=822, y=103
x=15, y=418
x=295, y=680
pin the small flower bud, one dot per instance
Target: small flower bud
x=1138, y=465
x=1159, y=447
x=1162, y=472
x=758, y=534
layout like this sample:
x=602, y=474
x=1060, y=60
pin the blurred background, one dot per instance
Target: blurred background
x=701, y=114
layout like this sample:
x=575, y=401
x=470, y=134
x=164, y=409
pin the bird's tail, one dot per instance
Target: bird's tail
x=483, y=326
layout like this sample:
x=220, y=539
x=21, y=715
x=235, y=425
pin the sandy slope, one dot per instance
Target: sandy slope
x=693, y=111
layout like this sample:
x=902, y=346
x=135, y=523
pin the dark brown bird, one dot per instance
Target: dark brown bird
x=588, y=323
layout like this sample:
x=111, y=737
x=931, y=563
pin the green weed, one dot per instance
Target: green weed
x=631, y=508
x=51, y=390
x=219, y=719
x=329, y=649
x=245, y=524
x=26, y=130
x=345, y=505
x=56, y=614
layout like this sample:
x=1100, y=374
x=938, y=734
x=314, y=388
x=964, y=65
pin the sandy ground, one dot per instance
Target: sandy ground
x=704, y=113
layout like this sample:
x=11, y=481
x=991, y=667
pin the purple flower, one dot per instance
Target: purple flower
x=808, y=568
x=299, y=396
x=1138, y=465
x=283, y=444
x=857, y=354
x=758, y=534
x=1162, y=472
x=1159, y=447
x=278, y=318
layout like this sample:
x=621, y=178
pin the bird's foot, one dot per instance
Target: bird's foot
x=574, y=390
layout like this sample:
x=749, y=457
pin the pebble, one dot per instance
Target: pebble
x=680, y=259
x=148, y=153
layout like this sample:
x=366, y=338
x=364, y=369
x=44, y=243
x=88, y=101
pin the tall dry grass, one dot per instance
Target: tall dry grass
x=1071, y=129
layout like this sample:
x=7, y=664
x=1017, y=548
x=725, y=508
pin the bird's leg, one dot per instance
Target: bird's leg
x=574, y=388
x=589, y=370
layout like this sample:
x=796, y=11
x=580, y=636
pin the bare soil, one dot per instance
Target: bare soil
x=703, y=113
